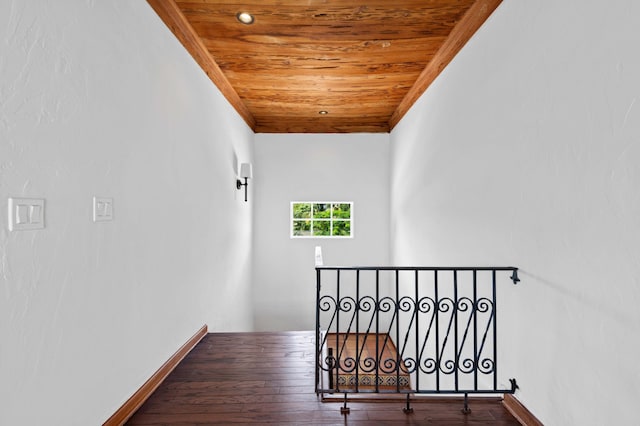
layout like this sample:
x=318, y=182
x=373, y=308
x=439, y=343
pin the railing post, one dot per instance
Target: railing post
x=436, y=313
x=358, y=330
x=338, y=352
x=318, y=340
x=456, y=339
x=417, y=314
x=377, y=314
x=476, y=355
x=495, y=331
x=397, y=314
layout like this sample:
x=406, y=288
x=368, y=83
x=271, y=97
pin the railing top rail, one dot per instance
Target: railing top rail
x=418, y=268
x=514, y=271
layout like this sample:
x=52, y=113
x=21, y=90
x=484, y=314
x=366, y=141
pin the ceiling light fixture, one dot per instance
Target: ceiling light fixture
x=245, y=18
x=323, y=112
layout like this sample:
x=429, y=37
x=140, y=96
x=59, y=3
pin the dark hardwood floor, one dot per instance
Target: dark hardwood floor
x=268, y=378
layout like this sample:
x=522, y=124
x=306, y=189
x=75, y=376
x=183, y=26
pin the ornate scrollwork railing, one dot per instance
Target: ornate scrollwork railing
x=410, y=330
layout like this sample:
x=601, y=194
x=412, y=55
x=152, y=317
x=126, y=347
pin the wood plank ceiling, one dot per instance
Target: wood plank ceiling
x=323, y=66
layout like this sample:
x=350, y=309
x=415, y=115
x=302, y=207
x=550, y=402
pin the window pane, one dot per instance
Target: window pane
x=321, y=219
x=321, y=227
x=301, y=227
x=301, y=210
x=342, y=211
x=321, y=211
x=342, y=228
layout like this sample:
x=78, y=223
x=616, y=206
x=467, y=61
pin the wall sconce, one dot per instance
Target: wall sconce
x=246, y=172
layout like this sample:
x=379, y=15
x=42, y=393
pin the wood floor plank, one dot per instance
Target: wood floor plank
x=268, y=379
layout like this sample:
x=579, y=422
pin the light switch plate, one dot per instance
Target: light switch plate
x=26, y=213
x=102, y=209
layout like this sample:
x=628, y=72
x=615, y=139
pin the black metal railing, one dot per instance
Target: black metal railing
x=409, y=330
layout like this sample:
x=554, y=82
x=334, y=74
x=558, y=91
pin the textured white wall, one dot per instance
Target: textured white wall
x=353, y=167
x=525, y=151
x=98, y=98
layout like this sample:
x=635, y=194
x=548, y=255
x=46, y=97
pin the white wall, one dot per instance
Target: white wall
x=525, y=152
x=99, y=98
x=296, y=167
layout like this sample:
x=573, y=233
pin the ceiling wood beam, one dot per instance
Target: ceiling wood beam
x=176, y=21
x=477, y=14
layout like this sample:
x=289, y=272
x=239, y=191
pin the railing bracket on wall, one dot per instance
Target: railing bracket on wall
x=466, y=409
x=514, y=276
x=514, y=385
x=407, y=409
x=344, y=409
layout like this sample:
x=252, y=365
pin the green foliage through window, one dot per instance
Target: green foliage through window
x=321, y=219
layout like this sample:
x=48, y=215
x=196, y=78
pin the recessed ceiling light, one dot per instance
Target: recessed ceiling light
x=323, y=112
x=245, y=17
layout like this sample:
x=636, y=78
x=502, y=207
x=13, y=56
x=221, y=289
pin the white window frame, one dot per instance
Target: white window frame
x=351, y=221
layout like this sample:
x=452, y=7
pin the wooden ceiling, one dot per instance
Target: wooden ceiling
x=364, y=62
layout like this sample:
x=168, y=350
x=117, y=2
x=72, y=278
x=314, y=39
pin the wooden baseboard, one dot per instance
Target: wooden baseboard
x=520, y=412
x=127, y=410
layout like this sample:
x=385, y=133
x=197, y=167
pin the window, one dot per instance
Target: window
x=321, y=219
